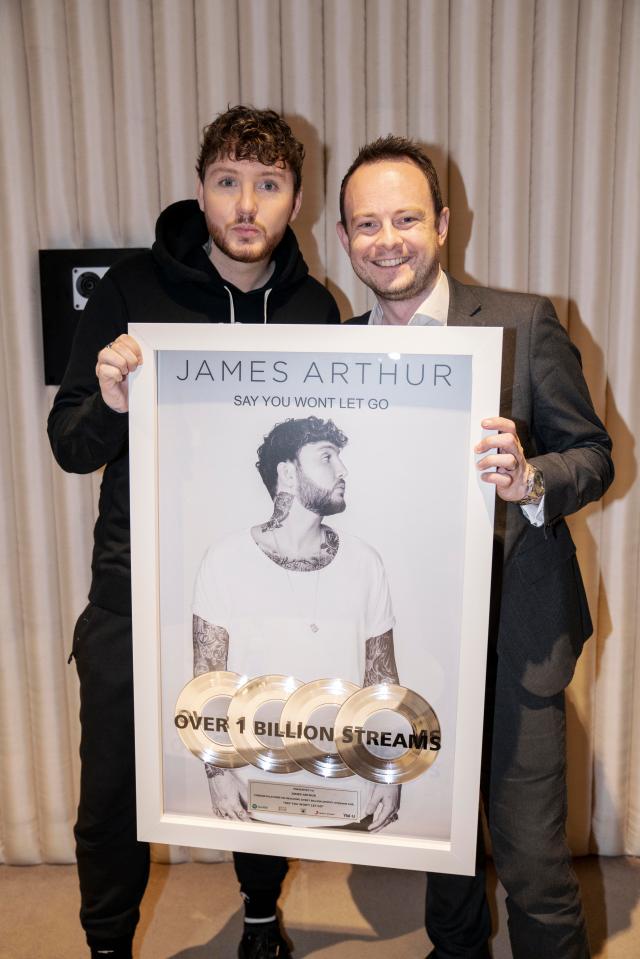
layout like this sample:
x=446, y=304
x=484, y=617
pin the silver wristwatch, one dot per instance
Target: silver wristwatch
x=535, y=487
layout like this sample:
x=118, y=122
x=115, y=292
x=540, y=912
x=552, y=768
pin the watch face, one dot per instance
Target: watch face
x=535, y=487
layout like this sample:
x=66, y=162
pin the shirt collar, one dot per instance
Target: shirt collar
x=432, y=311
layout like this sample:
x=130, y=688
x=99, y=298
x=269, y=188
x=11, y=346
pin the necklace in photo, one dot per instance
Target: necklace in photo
x=310, y=620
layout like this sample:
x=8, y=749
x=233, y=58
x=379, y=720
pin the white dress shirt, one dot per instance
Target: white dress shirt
x=432, y=311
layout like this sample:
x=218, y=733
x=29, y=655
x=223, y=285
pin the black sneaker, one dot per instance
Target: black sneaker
x=262, y=940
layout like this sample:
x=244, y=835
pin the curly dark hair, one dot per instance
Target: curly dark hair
x=285, y=441
x=245, y=133
x=394, y=148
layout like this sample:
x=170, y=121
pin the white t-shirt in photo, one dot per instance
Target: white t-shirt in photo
x=269, y=612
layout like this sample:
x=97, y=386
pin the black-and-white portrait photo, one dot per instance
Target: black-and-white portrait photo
x=300, y=537
x=293, y=595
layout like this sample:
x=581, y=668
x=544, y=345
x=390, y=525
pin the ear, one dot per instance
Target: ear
x=343, y=236
x=287, y=479
x=443, y=225
x=297, y=203
x=200, y=193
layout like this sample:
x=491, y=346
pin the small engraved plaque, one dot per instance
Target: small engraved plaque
x=301, y=800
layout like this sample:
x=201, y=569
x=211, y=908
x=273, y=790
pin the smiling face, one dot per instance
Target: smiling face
x=320, y=478
x=392, y=235
x=247, y=206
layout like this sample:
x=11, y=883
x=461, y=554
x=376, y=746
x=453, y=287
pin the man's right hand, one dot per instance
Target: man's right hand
x=115, y=362
x=228, y=798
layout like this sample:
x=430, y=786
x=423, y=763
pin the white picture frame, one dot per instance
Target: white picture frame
x=444, y=485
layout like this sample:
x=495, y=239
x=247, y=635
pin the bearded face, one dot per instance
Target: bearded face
x=319, y=499
x=320, y=478
x=247, y=207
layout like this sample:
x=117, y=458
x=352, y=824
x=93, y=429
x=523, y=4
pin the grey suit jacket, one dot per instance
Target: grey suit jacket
x=541, y=618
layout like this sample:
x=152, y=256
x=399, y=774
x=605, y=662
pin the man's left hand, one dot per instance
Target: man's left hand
x=383, y=805
x=506, y=459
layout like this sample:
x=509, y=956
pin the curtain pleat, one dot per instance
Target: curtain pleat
x=303, y=104
x=177, y=130
x=528, y=109
x=40, y=797
x=345, y=131
x=92, y=107
x=616, y=820
x=386, y=68
x=53, y=152
x=217, y=57
x=470, y=29
x=260, y=53
x=134, y=110
x=589, y=288
x=19, y=832
x=427, y=85
x=510, y=157
x=552, y=111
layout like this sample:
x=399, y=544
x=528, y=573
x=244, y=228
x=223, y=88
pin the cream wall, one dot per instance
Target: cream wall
x=529, y=110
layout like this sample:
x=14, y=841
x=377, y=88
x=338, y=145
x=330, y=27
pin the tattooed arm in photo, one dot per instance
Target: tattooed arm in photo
x=210, y=653
x=210, y=646
x=380, y=661
x=380, y=667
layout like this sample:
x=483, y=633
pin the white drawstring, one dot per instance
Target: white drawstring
x=232, y=317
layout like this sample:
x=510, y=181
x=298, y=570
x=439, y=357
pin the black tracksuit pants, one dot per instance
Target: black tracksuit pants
x=113, y=867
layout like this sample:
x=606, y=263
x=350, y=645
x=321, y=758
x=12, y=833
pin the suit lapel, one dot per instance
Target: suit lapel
x=463, y=305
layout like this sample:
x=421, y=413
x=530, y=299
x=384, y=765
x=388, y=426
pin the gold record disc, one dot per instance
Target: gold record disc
x=190, y=721
x=351, y=734
x=242, y=722
x=301, y=740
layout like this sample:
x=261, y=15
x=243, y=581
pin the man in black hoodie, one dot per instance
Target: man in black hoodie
x=228, y=257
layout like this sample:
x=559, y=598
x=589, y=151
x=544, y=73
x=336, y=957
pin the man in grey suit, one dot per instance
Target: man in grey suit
x=552, y=458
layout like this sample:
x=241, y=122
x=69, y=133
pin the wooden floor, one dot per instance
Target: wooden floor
x=331, y=911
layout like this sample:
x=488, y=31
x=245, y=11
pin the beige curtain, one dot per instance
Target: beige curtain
x=529, y=110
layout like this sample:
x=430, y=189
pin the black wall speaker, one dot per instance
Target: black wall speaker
x=67, y=280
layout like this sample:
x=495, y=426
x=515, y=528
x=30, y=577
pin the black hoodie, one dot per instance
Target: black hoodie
x=173, y=283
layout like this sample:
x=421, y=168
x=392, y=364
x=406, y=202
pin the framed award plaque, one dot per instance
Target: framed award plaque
x=311, y=563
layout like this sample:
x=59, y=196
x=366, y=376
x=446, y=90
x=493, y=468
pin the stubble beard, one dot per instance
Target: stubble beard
x=253, y=252
x=316, y=499
x=421, y=281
